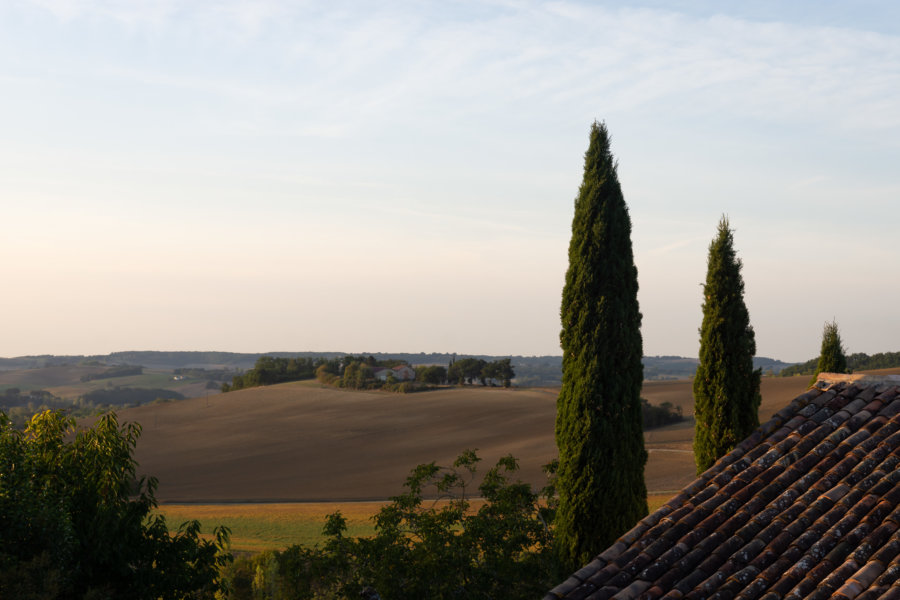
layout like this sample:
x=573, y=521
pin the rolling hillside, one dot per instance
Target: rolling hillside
x=66, y=381
x=302, y=441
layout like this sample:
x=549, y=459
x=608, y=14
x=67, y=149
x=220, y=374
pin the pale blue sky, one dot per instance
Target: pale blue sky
x=399, y=176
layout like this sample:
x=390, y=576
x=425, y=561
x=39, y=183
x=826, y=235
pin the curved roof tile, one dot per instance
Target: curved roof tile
x=806, y=508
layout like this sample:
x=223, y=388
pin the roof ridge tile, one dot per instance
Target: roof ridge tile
x=808, y=506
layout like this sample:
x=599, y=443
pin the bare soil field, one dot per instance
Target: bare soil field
x=307, y=442
x=670, y=464
x=65, y=381
x=45, y=377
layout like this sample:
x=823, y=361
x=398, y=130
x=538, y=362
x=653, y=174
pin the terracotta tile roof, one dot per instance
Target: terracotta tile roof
x=807, y=507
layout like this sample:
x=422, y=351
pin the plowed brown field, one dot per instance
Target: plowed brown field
x=305, y=442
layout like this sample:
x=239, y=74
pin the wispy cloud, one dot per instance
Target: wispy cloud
x=466, y=119
x=348, y=68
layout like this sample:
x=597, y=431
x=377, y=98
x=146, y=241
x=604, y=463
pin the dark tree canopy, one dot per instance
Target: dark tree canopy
x=831, y=357
x=726, y=387
x=449, y=550
x=471, y=370
x=433, y=374
x=598, y=423
x=466, y=370
x=76, y=522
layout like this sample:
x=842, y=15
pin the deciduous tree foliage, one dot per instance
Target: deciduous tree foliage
x=598, y=424
x=831, y=358
x=443, y=549
x=469, y=370
x=270, y=370
x=726, y=387
x=433, y=375
x=466, y=370
x=75, y=522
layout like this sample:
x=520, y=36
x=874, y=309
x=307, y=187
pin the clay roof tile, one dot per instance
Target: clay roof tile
x=891, y=593
x=806, y=507
x=890, y=575
x=889, y=551
x=891, y=407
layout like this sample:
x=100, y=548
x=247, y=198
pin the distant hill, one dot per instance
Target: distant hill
x=858, y=361
x=531, y=371
x=88, y=386
x=658, y=368
x=306, y=441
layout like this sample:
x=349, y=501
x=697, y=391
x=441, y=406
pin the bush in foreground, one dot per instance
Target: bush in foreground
x=75, y=522
x=422, y=548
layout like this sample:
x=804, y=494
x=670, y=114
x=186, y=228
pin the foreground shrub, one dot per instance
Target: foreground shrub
x=422, y=548
x=76, y=523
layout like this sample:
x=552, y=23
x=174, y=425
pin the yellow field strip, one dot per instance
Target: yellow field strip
x=258, y=527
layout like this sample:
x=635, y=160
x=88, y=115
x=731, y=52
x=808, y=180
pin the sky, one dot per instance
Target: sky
x=400, y=176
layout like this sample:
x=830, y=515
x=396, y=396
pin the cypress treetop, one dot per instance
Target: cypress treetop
x=831, y=357
x=598, y=424
x=726, y=387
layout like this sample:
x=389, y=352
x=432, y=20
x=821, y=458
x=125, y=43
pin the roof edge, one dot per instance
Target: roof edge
x=825, y=380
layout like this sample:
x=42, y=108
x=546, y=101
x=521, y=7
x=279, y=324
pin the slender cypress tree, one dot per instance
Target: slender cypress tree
x=726, y=387
x=831, y=358
x=600, y=481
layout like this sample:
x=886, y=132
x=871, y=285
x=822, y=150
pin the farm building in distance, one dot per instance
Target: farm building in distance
x=400, y=373
x=807, y=507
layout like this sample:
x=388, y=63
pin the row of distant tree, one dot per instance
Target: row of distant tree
x=858, y=361
x=113, y=372
x=270, y=370
x=358, y=372
x=477, y=370
x=348, y=371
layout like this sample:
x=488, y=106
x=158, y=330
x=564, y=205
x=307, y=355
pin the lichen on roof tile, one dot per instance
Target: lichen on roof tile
x=806, y=507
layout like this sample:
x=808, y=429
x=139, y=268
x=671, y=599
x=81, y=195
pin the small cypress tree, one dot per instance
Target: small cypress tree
x=831, y=358
x=726, y=387
x=600, y=481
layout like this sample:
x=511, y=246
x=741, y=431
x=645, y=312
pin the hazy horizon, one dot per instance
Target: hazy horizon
x=235, y=175
x=368, y=352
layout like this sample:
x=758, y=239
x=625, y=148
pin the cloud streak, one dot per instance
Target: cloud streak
x=346, y=69
x=441, y=130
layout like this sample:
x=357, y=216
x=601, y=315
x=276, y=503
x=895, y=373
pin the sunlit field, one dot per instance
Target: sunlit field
x=257, y=527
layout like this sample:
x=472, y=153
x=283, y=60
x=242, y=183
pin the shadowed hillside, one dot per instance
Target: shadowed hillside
x=303, y=441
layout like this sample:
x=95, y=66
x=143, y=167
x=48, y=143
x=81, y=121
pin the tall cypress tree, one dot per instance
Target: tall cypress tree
x=598, y=421
x=831, y=357
x=726, y=387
